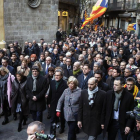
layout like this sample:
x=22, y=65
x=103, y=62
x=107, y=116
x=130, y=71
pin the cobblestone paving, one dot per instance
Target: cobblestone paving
x=9, y=131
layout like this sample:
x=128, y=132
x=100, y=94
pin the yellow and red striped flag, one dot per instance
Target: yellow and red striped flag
x=96, y=27
x=131, y=27
x=97, y=10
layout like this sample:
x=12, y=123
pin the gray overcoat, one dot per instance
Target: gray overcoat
x=71, y=101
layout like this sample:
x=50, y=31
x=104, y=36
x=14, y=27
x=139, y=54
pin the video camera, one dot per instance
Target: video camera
x=44, y=136
x=135, y=112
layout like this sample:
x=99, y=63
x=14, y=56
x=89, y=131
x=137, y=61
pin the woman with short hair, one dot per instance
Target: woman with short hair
x=70, y=98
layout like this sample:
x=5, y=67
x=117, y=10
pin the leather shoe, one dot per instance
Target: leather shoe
x=19, y=127
x=5, y=122
x=61, y=131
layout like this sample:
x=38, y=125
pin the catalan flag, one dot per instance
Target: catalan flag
x=102, y=24
x=131, y=27
x=97, y=10
x=84, y=16
x=96, y=27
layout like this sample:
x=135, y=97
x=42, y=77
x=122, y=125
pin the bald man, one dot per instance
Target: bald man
x=90, y=114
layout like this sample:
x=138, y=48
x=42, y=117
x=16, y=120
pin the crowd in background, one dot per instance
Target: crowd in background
x=88, y=79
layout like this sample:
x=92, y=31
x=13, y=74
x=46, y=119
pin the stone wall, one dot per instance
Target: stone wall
x=23, y=23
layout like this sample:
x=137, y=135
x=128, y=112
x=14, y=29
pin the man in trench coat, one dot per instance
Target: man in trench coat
x=90, y=117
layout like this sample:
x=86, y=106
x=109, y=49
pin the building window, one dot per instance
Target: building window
x=34, y=3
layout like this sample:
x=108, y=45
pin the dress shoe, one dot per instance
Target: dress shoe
x=5, y=122
x=19, y=127
x=61, y=130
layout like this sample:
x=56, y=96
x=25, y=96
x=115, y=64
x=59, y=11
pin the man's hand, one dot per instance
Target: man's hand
x=34, y=98
x=31, y=137
x=49, y=105
x=79, y=124
x=46, y=96
x=102, y=126
x=127, y=130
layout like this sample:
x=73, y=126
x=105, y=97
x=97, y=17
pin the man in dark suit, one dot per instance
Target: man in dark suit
x=57, y=87
x=36, y=89
x=99, y=75
x=90, y=114
x=47, y=65
x=68, y=68
x=59, y=35
x=5, y=64
x=84, y=77
x=59, y=62
x=118, y=102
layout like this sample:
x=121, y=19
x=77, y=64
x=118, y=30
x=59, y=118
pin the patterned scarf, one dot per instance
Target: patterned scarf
x=92, y=95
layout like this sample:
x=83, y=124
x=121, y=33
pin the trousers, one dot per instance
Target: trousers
x=37, y=115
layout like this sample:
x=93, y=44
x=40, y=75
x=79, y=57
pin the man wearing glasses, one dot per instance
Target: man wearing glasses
x=47, y=65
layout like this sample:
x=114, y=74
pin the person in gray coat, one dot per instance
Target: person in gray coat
x=70, y=98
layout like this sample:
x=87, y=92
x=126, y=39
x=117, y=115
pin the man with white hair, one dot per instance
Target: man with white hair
x=91, y=103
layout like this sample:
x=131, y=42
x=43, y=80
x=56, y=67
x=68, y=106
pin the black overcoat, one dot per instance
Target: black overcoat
x=54, y=95
x=91, y=118
x=19, y=89
x=126, y=104
x=41, y=89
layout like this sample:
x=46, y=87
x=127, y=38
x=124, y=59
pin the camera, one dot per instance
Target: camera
x=135, y=112
x=44, y=136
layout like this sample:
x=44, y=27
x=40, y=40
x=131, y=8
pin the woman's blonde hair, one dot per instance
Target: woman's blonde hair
x=4, y=69
x=74, y=80
x=39, y=65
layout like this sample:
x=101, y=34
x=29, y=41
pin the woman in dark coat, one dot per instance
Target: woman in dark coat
x=19, y=98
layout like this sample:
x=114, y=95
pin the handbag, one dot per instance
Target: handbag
x=75, y=115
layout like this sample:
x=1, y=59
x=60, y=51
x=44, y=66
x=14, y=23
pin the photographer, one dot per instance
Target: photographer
x=36, y=130
x=33, y=127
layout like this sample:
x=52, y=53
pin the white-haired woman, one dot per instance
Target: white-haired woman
x=70, y=98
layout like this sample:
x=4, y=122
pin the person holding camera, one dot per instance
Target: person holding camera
x=90, y=113
x=70, y=98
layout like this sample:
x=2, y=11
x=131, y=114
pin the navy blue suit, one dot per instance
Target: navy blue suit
x=83, y=84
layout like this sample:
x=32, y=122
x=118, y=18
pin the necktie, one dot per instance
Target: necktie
x=47, y=70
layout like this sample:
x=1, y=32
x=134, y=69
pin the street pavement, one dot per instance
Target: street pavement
x=9, y=131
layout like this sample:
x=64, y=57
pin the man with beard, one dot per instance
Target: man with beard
x=122, y=67
x=84, y=77
x=90, y=115
x=110, y=80
x=99, y=75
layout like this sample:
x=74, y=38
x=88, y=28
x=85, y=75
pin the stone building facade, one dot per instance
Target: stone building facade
x=24, y=23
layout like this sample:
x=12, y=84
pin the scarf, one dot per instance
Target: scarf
x=117, y=98
x=76, y=72
x=134, y=91
x=57, y=83
x=34, y=83
x=92, y=95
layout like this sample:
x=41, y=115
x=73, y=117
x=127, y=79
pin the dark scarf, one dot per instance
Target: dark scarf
x=57, y=83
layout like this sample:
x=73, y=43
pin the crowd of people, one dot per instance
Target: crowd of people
x=88, y=79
